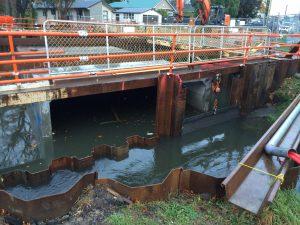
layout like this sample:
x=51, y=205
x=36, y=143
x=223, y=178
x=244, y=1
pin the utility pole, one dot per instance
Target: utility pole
x=267, y=11
x=285, y=9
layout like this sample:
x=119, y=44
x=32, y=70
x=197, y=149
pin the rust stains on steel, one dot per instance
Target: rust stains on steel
x=236, y=178
x=57, y=205
x=178, y=180
x=171, y=101
x=75, y=164
x=46, y=207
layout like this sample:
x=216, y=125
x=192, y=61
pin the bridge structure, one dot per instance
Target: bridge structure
x=69, y=59
x=80, y=54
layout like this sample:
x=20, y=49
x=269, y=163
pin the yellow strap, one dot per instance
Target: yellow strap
x=277, y=177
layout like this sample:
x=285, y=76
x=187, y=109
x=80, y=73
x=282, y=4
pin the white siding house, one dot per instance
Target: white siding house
x=164, y=5
x=138, y=15
x=153, y=4
x=96, y=10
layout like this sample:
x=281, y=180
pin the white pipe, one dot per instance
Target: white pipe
x=272, y=147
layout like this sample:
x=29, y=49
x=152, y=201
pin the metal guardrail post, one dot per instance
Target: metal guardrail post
x=153, y=44
x=190, y=42
x=248, y=48
x=221, y=42
x=46, y=46
x=172, y=55
x=268, y=43
x=202, y=38
x=194, y=37
x=246, y=41
x=107, y=46
x=13, y=57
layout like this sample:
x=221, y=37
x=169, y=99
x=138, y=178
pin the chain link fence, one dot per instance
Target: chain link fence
x=109, y=52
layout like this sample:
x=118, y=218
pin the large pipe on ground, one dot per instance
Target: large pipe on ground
x=272, y=147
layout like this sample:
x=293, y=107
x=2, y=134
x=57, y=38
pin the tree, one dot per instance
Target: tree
x=162, y=12
x=61, y=6
x=249, y=8
x=16, y=8
x=265, y=7
x=8, y=7
x=231, y=6
x=23, y=6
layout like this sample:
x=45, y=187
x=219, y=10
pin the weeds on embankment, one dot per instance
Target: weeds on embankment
x=284, y=96
x=184, y=209
x=284, y=210
x=190, y=209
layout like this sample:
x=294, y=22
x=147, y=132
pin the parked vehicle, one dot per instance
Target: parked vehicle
x=286, y=28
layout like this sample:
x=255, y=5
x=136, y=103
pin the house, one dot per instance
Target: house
x=138, y=15
x=146, y=4
x=96, y=10
x=142, y=12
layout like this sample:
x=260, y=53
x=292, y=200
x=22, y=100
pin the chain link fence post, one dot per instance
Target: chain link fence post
x=46, y=45
x=107, y=46
x=153, y=44
x=172, y=55
x=222, y=42
x=194, y=37
x=190, y=43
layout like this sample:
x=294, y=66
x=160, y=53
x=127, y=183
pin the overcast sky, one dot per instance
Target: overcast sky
x=278, y=7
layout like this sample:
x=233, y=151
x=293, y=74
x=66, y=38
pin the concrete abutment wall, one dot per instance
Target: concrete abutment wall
x=26, y=135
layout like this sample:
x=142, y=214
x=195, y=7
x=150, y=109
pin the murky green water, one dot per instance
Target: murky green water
x=87, y=124
x=214, y=150
x=78, y=125
x=82, y=123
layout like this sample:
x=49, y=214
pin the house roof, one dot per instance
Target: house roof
x=77, y=4
x=150, y=4
x=133, y=10
x=84, y=3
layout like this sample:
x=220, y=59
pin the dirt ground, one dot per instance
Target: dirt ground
x=92, y=207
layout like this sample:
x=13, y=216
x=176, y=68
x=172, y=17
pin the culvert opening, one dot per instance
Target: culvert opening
x=81, y=123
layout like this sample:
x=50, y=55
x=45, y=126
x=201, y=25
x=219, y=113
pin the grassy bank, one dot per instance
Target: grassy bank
x=284, y=96
x=192, y=209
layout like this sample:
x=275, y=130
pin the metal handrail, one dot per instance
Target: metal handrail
x=172, y=53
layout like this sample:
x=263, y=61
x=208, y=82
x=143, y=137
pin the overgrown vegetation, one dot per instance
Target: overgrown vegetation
x=284, y=96
x=284, y=210
x=189, y=209
x=184, y=210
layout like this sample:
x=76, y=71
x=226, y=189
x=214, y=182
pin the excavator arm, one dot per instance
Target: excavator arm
x=203, y=12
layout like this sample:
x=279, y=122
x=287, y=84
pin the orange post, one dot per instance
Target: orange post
x=227, y=20
x=172, y=55
x=248, y=47
x=13, y=57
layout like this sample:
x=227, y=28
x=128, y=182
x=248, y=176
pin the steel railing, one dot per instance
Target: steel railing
x=84, y=49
